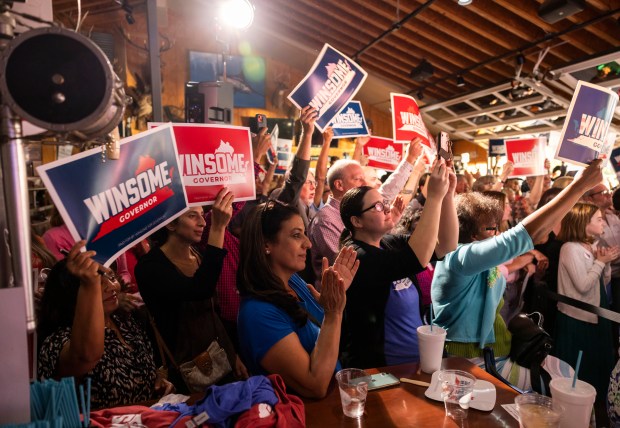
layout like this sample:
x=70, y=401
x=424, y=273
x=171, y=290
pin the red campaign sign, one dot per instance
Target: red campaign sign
x=214, y=156
x=383, y=153
x=528, y=156
x=407, y=121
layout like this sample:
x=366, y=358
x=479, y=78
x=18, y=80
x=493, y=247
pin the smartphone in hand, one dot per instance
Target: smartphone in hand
x=444, y=146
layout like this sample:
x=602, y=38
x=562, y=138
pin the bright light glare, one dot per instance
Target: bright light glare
x=464, y=2
x=237, y=13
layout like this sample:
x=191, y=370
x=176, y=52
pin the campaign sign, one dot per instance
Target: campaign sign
x=350, y=123
x=614, y=159
x=285, y=155
x=331, y=83
x=212, y=157
x=528, y=156
x=383, y=153
x=114, y=204
x=496, y=147
x=587, y=124
x=406, y=120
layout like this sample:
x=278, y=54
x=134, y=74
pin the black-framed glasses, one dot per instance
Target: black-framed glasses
x=378, y=206
x=492, y=228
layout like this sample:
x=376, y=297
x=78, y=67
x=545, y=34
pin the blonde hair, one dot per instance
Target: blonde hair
x=575, y=222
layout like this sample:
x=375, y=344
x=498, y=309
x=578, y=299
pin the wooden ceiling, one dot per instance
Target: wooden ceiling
x=479, y=42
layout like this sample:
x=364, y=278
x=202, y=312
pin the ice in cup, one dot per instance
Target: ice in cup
x=430, y=344
x=577, y=402
x=457, y=388
x=353, y=385
x=538, y=411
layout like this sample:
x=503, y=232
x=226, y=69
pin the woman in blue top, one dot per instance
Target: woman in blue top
x=467, y=287
x=285, y=325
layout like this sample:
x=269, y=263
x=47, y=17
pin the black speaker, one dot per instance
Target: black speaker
x=194, y=104
x=552, y=11
x=422, y=71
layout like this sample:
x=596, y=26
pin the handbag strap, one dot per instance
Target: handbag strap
x=161, y=345
x=217, y=336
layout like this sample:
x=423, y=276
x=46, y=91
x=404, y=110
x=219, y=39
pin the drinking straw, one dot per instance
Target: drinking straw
x=82, y=403
x=87, y=401
x=577, y=368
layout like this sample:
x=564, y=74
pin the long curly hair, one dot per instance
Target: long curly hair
x=255, y=277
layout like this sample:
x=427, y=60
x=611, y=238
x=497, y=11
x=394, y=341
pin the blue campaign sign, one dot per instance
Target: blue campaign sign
x=497, y=147
x=114, y=204
x=350, y=122
x=587, y=124
x=331, y=83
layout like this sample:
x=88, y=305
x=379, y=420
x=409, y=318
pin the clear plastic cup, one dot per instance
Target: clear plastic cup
x=353, y=386
x=456, y=390
x=538, y=411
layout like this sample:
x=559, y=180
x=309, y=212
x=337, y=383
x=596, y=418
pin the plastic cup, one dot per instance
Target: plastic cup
x=456, y=390
x=430, y=344
x=353, y=385
x=577, y=402
x=538, y=411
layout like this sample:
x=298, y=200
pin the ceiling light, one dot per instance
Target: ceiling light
x=464, y=2
x=460, y=82
x=237, y=14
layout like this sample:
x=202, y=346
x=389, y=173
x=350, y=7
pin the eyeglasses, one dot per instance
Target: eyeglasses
x=602, y=192
x=378, y=206
x=110, y=276
x=312, y=183
x=492, y=228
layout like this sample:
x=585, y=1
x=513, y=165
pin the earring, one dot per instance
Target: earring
x=267, y=252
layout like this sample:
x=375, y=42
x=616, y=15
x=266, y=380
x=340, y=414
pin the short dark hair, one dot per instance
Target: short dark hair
x=352, y=204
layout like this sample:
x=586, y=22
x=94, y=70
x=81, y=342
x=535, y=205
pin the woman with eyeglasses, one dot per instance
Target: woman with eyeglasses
x=285, y=325
x=468, y=287
x=384, y=307
x=83, y=335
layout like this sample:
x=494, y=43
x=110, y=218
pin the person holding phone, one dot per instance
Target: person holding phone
x=384, y=306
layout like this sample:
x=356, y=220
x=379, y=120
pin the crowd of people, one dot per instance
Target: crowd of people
x=298, y=285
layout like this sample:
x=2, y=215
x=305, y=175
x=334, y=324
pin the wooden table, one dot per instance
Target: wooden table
x=405, y=405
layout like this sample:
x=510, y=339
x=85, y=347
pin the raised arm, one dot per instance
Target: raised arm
x=301, y=162
x=358, y=151
x=448, y=235
x=536, y=190
x=320, y=172
x=395, y=182
x=540, y=222
x=506, y=171
x=423, y=240
x=221, y=215
x=85, y=348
